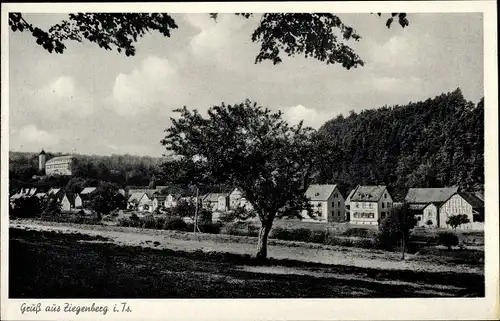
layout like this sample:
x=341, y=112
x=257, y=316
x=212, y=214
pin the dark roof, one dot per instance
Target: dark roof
x=430, y=195
x=473, y=200
x=71, y=197
x=368, y=193
x=213, y=197
x=318, y=192
x=42, y=152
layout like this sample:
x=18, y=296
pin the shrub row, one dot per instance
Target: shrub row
x=75, y=218
x=162, y=222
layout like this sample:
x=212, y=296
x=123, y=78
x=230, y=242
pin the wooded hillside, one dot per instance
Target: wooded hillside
x=432, y=143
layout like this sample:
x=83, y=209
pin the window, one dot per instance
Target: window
x=335, y=195
x=385, y=195
x=338, y=213
x=357, y=205
x=383, y=205
x=382, y=215
x=338, y=203
x=370, y=205
x=364, y=205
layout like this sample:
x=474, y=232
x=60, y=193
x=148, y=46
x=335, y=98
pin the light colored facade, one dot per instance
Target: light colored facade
x=158, y=201
x=145, y=204
x=62, y=165
x=456, y=205
x=70, y=202
x=436, y=205
x=171, y=200
x=370, y=204
x=327, y=202
x=237, y=199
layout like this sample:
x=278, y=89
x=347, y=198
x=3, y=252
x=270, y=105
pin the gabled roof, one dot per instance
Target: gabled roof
x=214, y=197
x=71, y=197
x=349, y=196
x=42, y=152
x=88, y=190
x=160, y=198
x=135, y=197
x=53, y=191
x=368, y=193
x=430, y=195
x=479, y=195
x=473, y=200
x=317, y=192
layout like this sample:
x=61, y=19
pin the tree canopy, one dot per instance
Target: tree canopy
x=322, y=36
x=433, y=143
x=249, y=146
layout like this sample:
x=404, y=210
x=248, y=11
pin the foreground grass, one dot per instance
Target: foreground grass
x=53, y=265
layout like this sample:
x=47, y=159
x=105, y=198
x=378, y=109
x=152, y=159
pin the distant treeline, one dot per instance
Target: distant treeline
x=432, y=143
x=121, y=170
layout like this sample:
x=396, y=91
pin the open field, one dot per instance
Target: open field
x=56, y=261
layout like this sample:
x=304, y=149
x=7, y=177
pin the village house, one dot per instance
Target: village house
x=238, y=199
x=140, y=201
x=171, y=200
x=327, y=203
x=71, y=201
x=368, y=205
x=433, y=206
x=348, y=205
x=216, y=202
x=86, y=195
x=158, y=201
x=55, y=192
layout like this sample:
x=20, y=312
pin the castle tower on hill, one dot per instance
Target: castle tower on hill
x=42, y=159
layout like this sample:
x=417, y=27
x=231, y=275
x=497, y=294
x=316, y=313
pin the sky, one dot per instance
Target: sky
x=93, y=101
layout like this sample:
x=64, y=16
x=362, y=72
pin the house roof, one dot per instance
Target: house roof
x=135, y=197
x=473, y=200
x=318, y=192
x=53, y=191
x=71, y=197
x=367, y=193
x=42, y=152
x=479, y=195
x=68, y=158
x=430, y=195
x=213, y=197
x=88, y=190
x=160, y=197
x=349, y=196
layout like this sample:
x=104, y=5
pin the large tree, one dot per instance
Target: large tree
x=322, y=36
x=251, y=147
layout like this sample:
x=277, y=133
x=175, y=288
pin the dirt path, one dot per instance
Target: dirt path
x=241, y=245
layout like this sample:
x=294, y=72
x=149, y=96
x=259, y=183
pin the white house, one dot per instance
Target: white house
x=433, y=207
x=369, y=204
x=158, y=201
x=238, y=199
x=327, y=203
x=71, y=201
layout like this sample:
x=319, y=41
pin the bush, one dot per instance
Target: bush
x=240, y=229
x=298, y=235
x=448, y=239
x=175, y=223
x=148, y=222
x=357, y=231
x=209, y=227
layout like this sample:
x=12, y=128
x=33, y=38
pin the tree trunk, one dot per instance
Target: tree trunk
x=261, y=255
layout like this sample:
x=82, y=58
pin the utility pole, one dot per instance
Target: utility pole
x=196, y=212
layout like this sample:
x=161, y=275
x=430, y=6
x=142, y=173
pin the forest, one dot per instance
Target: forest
x=432, y=143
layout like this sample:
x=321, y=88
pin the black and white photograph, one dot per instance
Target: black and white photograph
x=189, y=151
